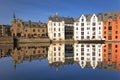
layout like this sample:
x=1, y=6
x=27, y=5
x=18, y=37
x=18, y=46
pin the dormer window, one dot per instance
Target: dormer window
x=82, y=19
x=94, y=18
x=59, y=24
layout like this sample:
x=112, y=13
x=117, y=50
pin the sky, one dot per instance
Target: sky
x=40, y=10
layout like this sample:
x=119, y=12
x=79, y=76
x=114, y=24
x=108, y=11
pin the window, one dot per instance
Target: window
x=82, y=24
x=59, y=53
x=109, y=33
x=116, y=37
x=54, y=48
x=109, y=37
x=104, y=32
x=88, y=45
x=93, y=53
x=82, y=53
x=93, y=29
x=76, y=54
x=54, y=24
x=59, y=29
x=99, y=28
x=110, y=28
x=43, y=30
x=88, y=37
x=88, y=28
x=54, y=29
x=104, y=50
x=104, y=27
x=82, y=37
x=38, y=30
x=59, y=48
x=93, y=37
x=82, y=58
x=82, y=20
x=76, y=28
x=54, y=54
x=82, y=29
x=116, y=32
x=59, y=35
x=76, y=24
x=82, y=33
x=94, y=24
x=110, y=23
x=93, y=58
x=82, y=45
x=116, y=46
x=54, y=34
x=33, y=30
x=59, y=24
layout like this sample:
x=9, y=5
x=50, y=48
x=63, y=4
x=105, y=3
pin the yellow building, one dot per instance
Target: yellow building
x=28, y=29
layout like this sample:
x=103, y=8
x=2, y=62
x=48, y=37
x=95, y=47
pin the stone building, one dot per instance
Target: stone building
x=3, y=31
x=28, y=29
x=29, y=53
x=60, y=28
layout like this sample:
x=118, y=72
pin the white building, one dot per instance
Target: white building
x=56, y=27
x=88, y=53
x=88, y=27
x=56, y=53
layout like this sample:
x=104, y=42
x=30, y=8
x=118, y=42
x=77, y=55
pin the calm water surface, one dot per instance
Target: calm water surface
x=60, y=62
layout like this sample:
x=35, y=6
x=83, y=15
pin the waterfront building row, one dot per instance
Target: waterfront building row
x=102, y=26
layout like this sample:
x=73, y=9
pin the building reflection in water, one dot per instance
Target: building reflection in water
x=5, y=50
x=103, y=56
x=111, y=56
x=88, y=54
x=60, y=54
x=28, y=53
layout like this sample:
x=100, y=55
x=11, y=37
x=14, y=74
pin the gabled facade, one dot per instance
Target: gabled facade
x=28, y=29
x=88, y=53
x=60, y=28
x=111, y=29
x=88, y=27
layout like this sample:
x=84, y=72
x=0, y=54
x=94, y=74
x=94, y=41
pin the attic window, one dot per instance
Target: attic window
x=105, y=14
x=110, y=17
x=82, y=20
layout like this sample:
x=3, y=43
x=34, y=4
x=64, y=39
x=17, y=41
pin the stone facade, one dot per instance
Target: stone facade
x=28, y=29
x=3, y=31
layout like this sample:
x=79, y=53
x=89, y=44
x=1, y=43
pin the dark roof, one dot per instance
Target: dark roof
x=34, y=24
x=57, y=18
x=109, y=15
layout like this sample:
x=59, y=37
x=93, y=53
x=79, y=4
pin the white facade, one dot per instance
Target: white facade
x=56, y=29
x=91, y=53
x=85, y=29
x=56, y=53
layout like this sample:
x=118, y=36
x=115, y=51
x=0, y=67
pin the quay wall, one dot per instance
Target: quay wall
x=6, y=40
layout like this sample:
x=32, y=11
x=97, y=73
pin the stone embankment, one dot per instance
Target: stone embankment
x=6, y=40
